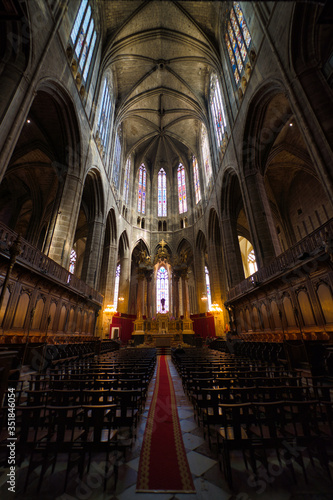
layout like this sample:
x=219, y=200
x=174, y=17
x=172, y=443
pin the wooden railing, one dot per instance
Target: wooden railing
x=309, y=247
x=34, y=259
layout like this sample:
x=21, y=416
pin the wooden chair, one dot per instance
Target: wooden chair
x=100, y=435
x=234, y=433
x=64, y=436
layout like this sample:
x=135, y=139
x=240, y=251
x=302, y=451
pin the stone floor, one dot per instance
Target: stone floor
x=208, y=479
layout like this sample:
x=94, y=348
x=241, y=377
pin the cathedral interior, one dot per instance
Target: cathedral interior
x=166, y=182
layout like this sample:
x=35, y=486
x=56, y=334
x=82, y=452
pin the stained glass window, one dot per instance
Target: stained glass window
x=116, y=160
x=116, y=287
x=209, y=296
x=104, y=118
x=181, y=189
x=206, y=153
x=251, y=260
x=162, y=289
x=142, y=190
x=238, y=40
x=217, y=109
x=72, y=261
x=161, y=194
x=196, y=180
x=126, y=180
x=83, y=37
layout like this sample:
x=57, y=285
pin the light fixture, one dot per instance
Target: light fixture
x=204, y=297
x=121, y=299
x=110, y=309
x=215, y=308
x=291, y=124
x=28, y=121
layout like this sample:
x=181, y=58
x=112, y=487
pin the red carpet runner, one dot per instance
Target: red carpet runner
x=163, y=463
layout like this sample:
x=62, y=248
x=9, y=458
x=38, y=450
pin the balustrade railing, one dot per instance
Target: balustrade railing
x=36, y=260
x=309, y=246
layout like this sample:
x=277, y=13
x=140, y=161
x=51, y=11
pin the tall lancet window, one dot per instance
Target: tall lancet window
x=217, y=109
x=206, y=153
x=142, y=190
x=251, y=260
x=83, y=38
x=181, y=189
x=196, y=180
x=238, y=40
x=104, y=118
x=72, y=261
x=116, y=160
x=209, y=295
x=126, y=180
x=116, y=288
x=162, y=201
x=162, y=289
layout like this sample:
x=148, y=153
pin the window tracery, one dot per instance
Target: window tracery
x=238, y=40
x=181, y=189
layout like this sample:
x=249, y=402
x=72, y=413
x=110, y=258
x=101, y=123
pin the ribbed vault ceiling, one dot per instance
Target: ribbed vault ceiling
x=161, y=54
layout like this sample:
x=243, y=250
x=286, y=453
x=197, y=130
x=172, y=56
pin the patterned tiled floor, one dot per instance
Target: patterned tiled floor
x=208, y=479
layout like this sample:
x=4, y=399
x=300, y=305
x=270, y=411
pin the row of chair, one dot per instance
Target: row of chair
x=257, y=408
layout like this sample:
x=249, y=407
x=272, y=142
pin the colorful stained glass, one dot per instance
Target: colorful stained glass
x=238, y=35
x=162, y=290
x=206, y=153
x=232, y=59
x=196, y=180
x=181, y=189
x=126, y=180
x=161, y=194
x=209, y=296
x=235, y=49
x=238, y=40
x=142, y=190
x=242, y=23
x=116, y=287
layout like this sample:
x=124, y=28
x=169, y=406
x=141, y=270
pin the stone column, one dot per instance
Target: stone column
x=53, y=217
x=264, y=236
x=175, y=292
x=110, y=271
x=140, y=293
x=149, y=275
x=124, y=284
x=64, y=231
x=93, y=253
x=234, y=265
x=200, y=279
x=185, y=294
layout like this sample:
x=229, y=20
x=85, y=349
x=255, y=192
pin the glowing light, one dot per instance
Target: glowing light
x=110, y=309
x=215, y=308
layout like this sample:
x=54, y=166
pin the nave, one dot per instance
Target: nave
x=193, y=372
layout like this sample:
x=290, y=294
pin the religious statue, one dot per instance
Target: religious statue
x=142, y=256
x=162, y=253
x=162, y=303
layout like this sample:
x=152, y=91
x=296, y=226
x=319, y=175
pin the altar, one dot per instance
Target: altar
x=160, y=281
x=164, y=330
